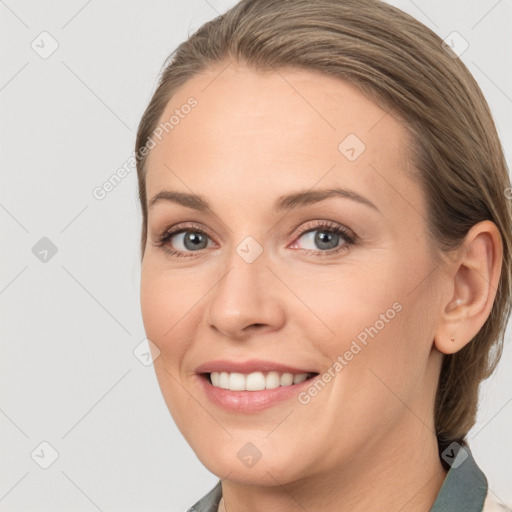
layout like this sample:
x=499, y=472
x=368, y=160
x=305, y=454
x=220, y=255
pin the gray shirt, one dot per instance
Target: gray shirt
x=464, y=489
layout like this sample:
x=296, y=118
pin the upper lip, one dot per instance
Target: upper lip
x=253, y=365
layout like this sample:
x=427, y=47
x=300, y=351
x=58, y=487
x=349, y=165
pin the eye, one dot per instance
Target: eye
x=326, y=236
x=182, y=240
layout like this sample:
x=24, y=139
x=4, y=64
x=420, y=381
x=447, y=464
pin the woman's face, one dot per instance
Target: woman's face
x=264, y=286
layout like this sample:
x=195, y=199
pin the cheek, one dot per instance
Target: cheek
x=372, y=322
x=385, y=365
x=161, y=308
x=172, y=311
x=154, y=306
x=344, y=302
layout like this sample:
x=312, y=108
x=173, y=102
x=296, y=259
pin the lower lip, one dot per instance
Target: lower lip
x=250, y=401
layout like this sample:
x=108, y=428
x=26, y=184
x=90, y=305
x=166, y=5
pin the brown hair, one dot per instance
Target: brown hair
x=403, y=66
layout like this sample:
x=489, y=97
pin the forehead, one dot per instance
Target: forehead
x=253, y=135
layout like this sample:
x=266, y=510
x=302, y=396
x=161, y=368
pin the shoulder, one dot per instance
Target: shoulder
x=491, y=505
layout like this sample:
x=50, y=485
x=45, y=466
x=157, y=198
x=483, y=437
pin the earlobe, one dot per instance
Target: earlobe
x=449, y=337
x=474, y=283
x=456, y=303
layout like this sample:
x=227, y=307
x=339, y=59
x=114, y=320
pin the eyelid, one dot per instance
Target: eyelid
x=186, y=226
x=307, y=226
x=317, y=224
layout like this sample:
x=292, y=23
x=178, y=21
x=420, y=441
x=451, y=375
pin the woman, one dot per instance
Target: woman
x=326, y=257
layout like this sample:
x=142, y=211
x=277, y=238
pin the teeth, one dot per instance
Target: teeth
x=237, y=382
x=255, y=381
x=224, y=380
x=301, y=377
x=273, y=380
x=286, y=379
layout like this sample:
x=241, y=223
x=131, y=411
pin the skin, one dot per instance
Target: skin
x=366, y=442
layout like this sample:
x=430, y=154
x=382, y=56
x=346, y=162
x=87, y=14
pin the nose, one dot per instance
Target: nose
x=246, y=300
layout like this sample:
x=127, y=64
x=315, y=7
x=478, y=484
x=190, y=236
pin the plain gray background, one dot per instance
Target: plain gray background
x=70, y=323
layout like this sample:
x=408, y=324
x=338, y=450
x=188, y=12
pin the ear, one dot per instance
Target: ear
x=474, y=281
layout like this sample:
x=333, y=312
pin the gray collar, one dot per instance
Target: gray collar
x=465, y=486
x=209, y=502
x=463, y=490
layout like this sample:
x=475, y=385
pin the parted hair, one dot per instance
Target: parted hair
x=404, y=67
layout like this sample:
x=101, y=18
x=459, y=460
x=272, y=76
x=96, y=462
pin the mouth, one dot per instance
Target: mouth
x=256, y=381
x=252, y=385
x=248, y=393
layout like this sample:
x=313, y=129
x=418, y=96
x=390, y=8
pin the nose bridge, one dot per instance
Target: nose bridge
x=241, y=286
x=244, y=295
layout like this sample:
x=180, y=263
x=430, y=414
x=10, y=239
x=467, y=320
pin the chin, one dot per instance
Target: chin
x=256, y=462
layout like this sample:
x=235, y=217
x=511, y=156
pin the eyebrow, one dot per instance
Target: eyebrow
x=282, y=203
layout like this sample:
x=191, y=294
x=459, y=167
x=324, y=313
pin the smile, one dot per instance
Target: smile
x=256, y=381
x=252, y=385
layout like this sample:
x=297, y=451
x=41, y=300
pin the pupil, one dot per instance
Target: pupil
x=324, y=237
x=194, y=239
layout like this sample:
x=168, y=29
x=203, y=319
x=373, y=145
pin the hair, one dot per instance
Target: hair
x=404, y=67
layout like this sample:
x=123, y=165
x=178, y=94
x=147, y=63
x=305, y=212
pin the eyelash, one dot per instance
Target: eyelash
x=331, y=227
